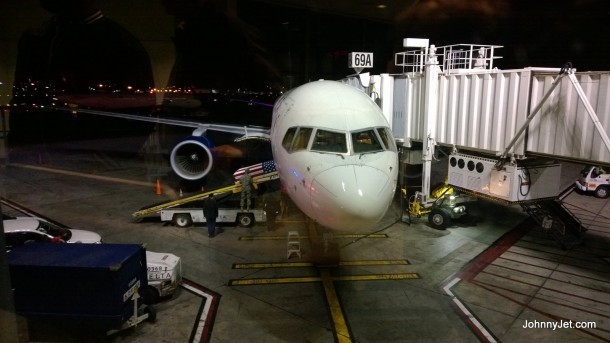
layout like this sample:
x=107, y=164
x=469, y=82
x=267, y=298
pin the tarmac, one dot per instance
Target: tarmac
x=498, y=278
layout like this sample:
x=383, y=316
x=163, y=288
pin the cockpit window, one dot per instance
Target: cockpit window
x=386, y=138
x=301, y=140
x=366, y=141
x=329, y=141
x=288, y=138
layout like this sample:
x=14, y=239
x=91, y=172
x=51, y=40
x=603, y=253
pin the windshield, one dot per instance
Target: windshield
x=54, y=230
x=329, y=141
x=366, y=141
x=337, y=142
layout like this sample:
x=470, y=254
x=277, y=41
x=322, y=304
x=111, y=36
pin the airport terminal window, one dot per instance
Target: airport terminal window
x=365, y=141
x=329, y=141
x=386, y=138
x=301, y=139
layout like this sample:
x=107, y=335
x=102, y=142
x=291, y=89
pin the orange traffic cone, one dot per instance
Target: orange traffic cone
x=158, y=192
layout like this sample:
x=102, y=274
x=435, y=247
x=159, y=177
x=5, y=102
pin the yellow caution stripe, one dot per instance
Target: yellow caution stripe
x=340, y=328
x=374, y=263
x=271, y=265
x=273, y=281
x=377, y=277
x=308, y=264
x=347, y=235
x=308, y=279
x=353, y=235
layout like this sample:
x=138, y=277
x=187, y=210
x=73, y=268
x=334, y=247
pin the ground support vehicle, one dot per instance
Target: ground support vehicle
x=188, y=210
x=22, y=230
x=183, y=217
x=594, y=179
x=164, y=274
x=228, y=212
x=236, y=188
x=444, y=206
x=93, y=285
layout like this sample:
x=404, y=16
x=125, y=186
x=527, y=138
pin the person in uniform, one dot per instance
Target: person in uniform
x=272, y=208
x=246, y=190
x=210, y=212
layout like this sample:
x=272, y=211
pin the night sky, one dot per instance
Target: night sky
x=270, y=42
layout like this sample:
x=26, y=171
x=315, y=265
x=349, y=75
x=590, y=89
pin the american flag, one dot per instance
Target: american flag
x=255, y=170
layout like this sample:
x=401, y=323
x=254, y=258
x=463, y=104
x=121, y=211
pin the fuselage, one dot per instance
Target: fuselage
x=335, y=154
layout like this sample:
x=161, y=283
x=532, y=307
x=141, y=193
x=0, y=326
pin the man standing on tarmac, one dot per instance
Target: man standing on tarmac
x=246, y=190
x=210, y=212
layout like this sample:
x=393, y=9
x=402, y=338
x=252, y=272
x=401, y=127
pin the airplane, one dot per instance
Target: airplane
x=332, y=147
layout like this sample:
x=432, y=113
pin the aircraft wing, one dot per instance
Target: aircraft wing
x=200, y=128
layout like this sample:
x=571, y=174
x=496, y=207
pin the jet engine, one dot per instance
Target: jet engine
x=192, y=158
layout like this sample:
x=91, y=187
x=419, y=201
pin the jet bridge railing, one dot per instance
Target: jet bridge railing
x=468, y=56
x=411, y=61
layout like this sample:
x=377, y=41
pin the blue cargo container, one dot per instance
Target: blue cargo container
x=78, y=283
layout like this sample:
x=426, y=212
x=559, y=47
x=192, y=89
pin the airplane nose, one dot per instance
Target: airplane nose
x=351, y=197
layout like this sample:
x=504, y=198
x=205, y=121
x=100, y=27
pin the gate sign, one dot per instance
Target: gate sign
x=360, y=60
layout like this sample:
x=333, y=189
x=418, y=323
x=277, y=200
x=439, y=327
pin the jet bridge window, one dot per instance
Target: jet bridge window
x=366, y=141
x=329, y=141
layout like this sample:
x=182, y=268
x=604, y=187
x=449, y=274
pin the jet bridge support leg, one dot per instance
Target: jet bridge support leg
x=430, y=115
x=590, y=110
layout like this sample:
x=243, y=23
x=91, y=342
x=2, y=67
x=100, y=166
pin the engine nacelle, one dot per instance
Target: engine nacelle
x=192, y=158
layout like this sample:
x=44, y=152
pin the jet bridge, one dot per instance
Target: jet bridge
x=455, y=96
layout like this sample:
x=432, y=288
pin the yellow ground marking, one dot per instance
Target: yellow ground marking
x=308, y=264
x=354, y=235
x=336, y=312
x=85, y=175
x=374, y=263
x=347, y=235
x=307, y=279
x=375, y=277
x=340, y=327
x=262, y=238
x=272, y=281
x=271, y=265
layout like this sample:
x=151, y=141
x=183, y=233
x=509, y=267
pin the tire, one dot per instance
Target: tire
x=245, y=219
x=150, y=310
x=152, y=295
x=182, y=220
x=438, y=219
x=602, y=192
